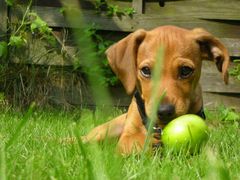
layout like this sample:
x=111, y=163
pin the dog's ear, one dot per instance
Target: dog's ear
x=212, y=49
x=122, y=57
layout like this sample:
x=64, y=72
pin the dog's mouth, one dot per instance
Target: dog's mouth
x=163, y=122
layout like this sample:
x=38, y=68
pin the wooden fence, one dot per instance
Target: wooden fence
x=221, y=18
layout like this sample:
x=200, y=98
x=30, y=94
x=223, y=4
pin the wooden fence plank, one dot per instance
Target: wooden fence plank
x=138, y=5
x=148, y=21
x=222, y=29
x=211, y=80
x=233, y=45
x=213, y=100
x=38, y=54
x=205, y=9
x=119, y=97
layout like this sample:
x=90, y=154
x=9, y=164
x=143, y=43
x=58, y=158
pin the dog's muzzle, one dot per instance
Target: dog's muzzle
x=165, y=112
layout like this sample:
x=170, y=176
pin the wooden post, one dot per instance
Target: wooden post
x=138, y=5
x=3, y=20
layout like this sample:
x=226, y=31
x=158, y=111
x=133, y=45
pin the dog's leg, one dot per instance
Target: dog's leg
x=131, y=143
x=109, y=129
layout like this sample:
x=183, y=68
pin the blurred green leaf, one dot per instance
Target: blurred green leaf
x=129, y=11
x=62, y=10
x=17, y=41
x=231, y=116
x=9, y=2
x=2, y=96
x=3, y=49
x=235, y=71
x=39, y=25
x=228, y=114
x=112, y=10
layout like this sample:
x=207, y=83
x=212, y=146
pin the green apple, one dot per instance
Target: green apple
x=188, y=132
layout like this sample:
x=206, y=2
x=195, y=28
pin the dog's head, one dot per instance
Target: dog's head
x=133, y=59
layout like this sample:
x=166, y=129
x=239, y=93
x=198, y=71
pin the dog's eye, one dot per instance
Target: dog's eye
x=185, y=72
x=146, y=72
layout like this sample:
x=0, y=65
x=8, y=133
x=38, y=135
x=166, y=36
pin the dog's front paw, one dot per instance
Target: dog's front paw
x=84, y=139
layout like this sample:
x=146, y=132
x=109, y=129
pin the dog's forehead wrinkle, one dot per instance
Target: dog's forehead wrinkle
x=175, y=44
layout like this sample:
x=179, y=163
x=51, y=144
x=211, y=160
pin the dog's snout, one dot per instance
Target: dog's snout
x=166, y=112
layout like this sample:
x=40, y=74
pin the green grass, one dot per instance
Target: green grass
x=36, y=151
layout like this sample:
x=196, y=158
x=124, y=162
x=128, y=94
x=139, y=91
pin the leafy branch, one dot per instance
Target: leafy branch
x=30, y=22
x=111, y=10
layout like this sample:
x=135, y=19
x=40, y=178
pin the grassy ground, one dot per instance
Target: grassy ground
x=31, y=149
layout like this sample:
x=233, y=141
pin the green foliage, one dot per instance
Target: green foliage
x=10, y=2
x=100, y=4
x=39, y=152
x=129, y=11
x=30, y=22
x=38, y=26
x=18, y=35
x=17, y=46
x=235, y=71
x=101, y=45
x=111, y=10
x=3, y=49
x=2, y=96
x=223, y=114
x=17, y=41
x=228, y=114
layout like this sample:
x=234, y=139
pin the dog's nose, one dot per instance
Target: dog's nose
x=166, y=112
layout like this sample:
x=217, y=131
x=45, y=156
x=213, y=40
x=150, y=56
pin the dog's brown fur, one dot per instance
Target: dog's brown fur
x=128, y=57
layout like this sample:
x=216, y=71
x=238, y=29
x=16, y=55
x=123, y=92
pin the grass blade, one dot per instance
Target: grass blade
x=20, y=126
x=88, y=59
x=154, y=95
x=3, y=171
x=85, y=156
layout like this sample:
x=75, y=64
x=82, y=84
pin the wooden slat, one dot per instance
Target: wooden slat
x=138, y=6
x=3, y=19
x=213, y=100
x=211, y=80
x=121, y=99
x=38, y=54
x=233, y=45
x=205, y=9
x=219, y=29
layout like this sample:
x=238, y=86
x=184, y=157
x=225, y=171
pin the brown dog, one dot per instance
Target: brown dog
x=133, y=58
